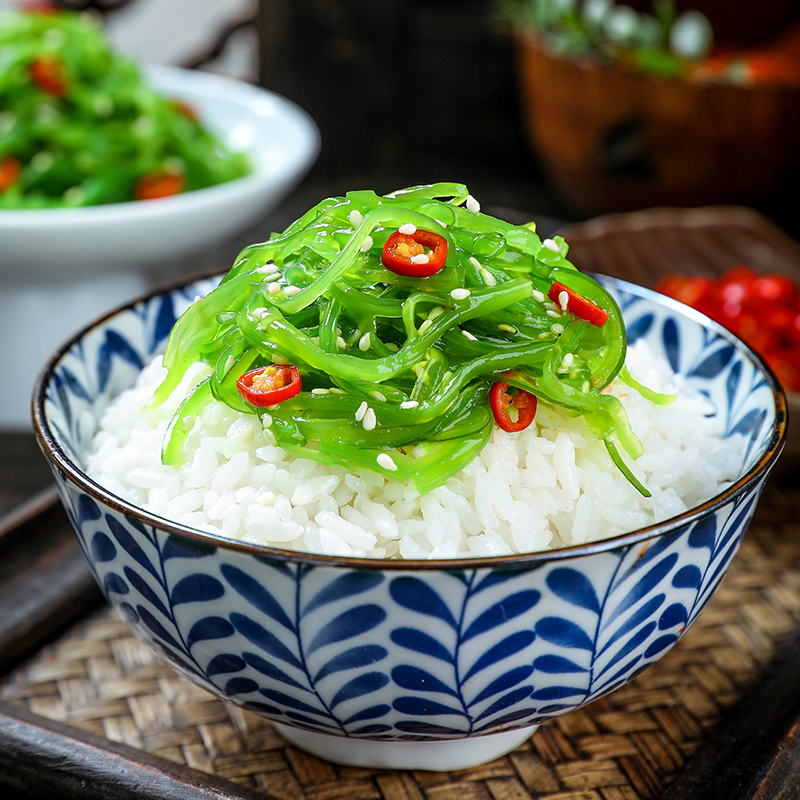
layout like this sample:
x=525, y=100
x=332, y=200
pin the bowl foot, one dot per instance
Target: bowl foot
x=435, y=755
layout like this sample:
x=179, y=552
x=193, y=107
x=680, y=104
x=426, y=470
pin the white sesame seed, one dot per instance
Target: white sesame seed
x=436, y=311
x=425, y=325
x=341, y=343
x=274, y=288
x=336, y=390
x=553, y=314
x=266, y=420
x=385, y=460
x=506, y=328
x=369, y=422
x=361, y=410
x=469, y=336
x=472, y=204
x=567, y=360
x=355, y=217
x=460, y=294
x=319, y=390
x=364, y=342
x=259, y=313
x=103, y=106
x=291, y=291
x=544, y=335
x=550, y=245
x=538, y=296
x=563, y=299
x=42, y=161
x=409, y=229
x=474, y=261
x=366, y=244
x=74, y=194
x=557, y=328
x=379, y=396
x=487, y=277
x=409, y=404
x=142, y=126
x=420, y=258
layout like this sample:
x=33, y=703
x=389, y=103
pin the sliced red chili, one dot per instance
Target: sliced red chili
x=763, y=310
x=185, y=109
x=159, y=184
x=10, y=170
x=774, y=289
x=406, y=253
x=47, y=74
x=266, y=386
x=40, y=7
x=523, y=402
x=577, y=304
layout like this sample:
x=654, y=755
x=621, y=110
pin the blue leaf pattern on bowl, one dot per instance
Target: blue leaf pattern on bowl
x=404, y=653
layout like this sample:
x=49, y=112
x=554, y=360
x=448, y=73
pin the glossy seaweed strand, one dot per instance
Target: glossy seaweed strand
x=396, y=371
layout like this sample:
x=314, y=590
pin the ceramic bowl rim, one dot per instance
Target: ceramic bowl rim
x=56, y=455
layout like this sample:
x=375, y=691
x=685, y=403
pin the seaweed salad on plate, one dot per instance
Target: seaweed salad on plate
x=79, y=126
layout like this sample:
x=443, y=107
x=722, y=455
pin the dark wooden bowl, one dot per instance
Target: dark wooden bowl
x=737, y=23
x=613, y=140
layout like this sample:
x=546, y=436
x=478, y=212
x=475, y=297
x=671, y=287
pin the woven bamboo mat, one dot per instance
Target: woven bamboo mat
x=627, y=746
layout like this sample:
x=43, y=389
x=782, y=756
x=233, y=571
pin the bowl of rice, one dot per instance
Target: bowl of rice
x=375, y=619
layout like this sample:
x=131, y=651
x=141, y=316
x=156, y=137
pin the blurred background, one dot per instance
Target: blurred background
x=493, y=93
x=558, y=111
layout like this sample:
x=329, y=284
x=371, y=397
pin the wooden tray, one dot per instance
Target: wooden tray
x=86, y=711
x=643, y=246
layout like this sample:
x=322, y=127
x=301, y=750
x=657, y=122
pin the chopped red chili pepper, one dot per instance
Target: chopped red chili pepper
x=405, y=253
x=577, y=304
x=761, y=309
x=159, y=184
x=10, y=170
x=524, y=402
x=41, y=7
x=47, y=73
x=266, y=386
x=185, y=109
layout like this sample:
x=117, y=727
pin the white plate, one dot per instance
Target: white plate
x=281, y=140
x=60, y=268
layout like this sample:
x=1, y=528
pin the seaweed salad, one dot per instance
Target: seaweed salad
x=396, y=332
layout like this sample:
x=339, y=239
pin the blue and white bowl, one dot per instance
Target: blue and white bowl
x=406, y=664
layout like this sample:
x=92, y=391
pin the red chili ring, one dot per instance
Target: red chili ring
x=524, y=402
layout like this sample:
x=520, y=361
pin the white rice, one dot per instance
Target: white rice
x=548, y=486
